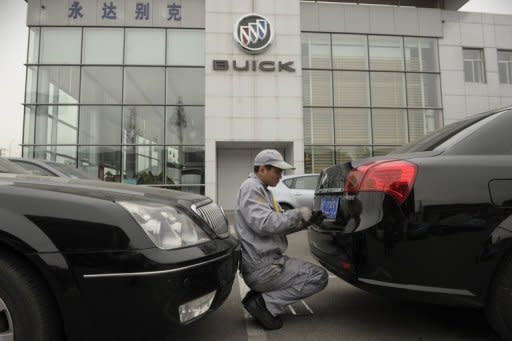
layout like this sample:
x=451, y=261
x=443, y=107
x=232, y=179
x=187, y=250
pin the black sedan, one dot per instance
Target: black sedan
x=431, y=221
x=87, y=260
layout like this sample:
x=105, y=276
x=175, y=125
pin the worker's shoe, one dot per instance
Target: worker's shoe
x=255, y=305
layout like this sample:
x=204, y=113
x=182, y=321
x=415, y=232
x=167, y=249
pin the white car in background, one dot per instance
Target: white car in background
x=295, y=191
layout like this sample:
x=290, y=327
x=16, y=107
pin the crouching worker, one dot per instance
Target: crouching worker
x=275, y=279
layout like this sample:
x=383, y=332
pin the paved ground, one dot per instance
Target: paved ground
x=341, y=312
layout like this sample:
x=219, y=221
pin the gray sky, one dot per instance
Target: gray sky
x=13, y=40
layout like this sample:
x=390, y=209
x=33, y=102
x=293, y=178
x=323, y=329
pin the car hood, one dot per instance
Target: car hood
x=100, y=190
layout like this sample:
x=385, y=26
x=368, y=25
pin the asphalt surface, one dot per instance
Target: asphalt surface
x=341, y=312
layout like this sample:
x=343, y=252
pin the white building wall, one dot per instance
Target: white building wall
x=472, y=30
x=252, y=106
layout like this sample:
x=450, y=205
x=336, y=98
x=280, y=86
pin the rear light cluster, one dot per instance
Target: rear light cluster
x=395, y=178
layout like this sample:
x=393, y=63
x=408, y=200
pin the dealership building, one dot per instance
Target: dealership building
x=184, y=93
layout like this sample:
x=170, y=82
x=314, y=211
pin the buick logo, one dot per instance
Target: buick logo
x=254, y=33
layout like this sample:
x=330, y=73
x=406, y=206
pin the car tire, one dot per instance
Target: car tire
x=499, y=303
x=28, y=310
x=286, y=207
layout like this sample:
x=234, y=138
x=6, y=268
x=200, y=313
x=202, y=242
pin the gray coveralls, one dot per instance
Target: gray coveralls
x=262, y=230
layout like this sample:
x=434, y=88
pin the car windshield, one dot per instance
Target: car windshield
x=438, y=137
x=9, y=167
x=70, y=171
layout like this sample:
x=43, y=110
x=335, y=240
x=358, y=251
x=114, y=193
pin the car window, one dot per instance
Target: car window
x=289, y=183
x=306, y=182
x=72, y=172
x=9, y=167
x=33, y=169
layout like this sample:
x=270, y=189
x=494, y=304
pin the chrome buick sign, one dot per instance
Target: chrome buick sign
x=254, y=33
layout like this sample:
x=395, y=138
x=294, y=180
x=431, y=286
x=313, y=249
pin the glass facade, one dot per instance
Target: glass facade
x=365, y=95
x=124, y=104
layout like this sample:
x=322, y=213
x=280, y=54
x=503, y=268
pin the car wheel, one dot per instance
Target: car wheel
x=286, y=207
x=27, y=312
x=499, y=305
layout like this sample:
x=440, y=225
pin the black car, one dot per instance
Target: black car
x=431, y=221
x=50, y=168
x=86, y=260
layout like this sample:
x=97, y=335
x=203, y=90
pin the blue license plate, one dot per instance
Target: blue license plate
x=329, y=206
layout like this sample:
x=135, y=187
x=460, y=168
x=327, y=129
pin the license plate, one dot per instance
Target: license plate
x=329, y=206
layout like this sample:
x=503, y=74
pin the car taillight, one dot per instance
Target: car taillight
x=395, y=178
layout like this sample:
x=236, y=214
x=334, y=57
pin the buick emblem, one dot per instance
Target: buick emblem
x=254, y=33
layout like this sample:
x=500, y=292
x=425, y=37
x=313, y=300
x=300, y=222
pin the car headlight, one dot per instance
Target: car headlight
x=166, y=226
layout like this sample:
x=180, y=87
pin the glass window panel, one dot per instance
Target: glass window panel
x=381, y=151
x=103, y=46
x=100, y=125
x=318, y=126
x=422, y=122
x=31, y=86
x=349, y=51
x=185, y=47
x=474, y=69
x=185, y=125
x=33, y=45
x=60, y=154
x=29, y=124
x=143, y=125
x=184, y=165
x=352, y=126
x=317, y=158
x=58, y=84
x=421, y=54
x=317, y=88
x=316, y=50
x=143, y=165
x=346, y=153
x=185, y=85
x=101, y=85
x=61, y=45
x=505, y=66
x=423, y=90
x=388, y=89
x=145, y=46
x=56, y=124
x=103, y=162
x=386, y=53
x=144, y=85
x=351, y=89
x=28, y=152
x=389, y=126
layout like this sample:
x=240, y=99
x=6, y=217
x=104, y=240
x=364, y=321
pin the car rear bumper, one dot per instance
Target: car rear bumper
x=137, y=294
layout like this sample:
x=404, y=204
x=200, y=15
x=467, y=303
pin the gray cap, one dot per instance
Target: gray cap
x=273, y=158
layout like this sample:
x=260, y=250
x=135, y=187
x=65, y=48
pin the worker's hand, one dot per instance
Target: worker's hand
x=317, y=217
x=306, y=213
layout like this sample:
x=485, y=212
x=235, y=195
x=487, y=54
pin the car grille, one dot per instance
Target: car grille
x=214, y=216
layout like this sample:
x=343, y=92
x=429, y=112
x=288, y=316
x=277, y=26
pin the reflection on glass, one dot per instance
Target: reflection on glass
x=351, y=89
x=31, y=86
x=422, y=122
x=317, y=88
x=389, y=126
x=61, y=154
x=61, y=45
x=346, y=153
x=143, y=165
x=143, y=125
x=388, y=89
x=185, y=125
x=29, y=124
x=352, y=126
x=101, y=85
x=349, y=51
x=386, y=53
x=56, y=124
x=58, y=84
x=186, y=84
x=144, y=85
x=103, y=45
x=423, y=90
x=185, y=47
x=316, y=158
x=318, y=126
x=145, y=46
x=100, y=125
x=421, y=54
x=184, y=165
x=316, y=50
x=103, y=162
